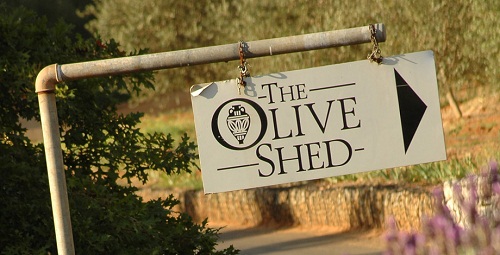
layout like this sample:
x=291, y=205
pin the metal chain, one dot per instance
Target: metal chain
x=243, y=67
x=375, y=55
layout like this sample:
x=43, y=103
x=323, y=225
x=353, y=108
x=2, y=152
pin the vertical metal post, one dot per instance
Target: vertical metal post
x=57, y=179
x=45, y=87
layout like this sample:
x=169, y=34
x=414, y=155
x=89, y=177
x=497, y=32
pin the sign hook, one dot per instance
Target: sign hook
x=243, y=67
x=375, y=55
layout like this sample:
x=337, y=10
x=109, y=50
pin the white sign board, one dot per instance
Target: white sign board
x=318, y=122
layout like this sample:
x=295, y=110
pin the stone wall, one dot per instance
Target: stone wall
x=345, y=207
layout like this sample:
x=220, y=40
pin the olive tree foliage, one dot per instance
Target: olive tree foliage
x=56, y=10
x=463, y=34
x=103, y=152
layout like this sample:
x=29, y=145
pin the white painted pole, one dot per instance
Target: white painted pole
x=57, y=180
x=53, y=74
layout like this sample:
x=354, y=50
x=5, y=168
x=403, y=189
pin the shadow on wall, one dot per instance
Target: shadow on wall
x=344, y=207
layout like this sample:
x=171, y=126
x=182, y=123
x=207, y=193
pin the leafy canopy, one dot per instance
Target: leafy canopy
x=463, y=34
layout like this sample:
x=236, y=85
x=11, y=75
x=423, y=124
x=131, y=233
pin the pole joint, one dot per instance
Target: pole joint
x=47, y=79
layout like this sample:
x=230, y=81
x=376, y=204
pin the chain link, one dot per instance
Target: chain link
x=243, y=67
x=375, y=55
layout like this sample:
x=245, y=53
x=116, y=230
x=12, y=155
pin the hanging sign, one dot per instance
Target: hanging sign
x=318, y=122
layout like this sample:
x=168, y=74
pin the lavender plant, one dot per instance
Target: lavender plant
x=473, y=229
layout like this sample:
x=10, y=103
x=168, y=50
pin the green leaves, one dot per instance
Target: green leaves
x=101, y=148
x=466, y=46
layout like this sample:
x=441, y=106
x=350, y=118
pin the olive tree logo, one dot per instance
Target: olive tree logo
x=234, y=130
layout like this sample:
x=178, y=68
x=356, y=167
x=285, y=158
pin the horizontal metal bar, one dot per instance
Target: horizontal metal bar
x=221, y=53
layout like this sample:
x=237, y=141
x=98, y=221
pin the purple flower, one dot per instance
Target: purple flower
x=453, y=234
x=434, y=251
x=413, y=243
x=438, y=194
x=440, y=222
x=494, y=170
x=441, y=208
x=496, y=188
x=441, y=235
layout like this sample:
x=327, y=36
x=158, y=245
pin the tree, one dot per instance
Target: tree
x=56, y=10
x=101, y=148
x=463, y=34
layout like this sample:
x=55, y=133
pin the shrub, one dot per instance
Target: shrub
x=101, y=149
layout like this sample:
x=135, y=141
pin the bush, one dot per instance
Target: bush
x=101, y=149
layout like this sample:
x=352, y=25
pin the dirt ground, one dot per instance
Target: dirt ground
x=477, y=132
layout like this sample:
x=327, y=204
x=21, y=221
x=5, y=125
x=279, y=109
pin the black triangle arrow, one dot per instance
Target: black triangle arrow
x=411, y=109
